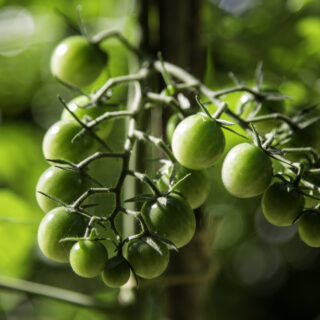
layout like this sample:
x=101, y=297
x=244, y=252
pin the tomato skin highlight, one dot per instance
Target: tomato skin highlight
x=64, y=185
x=281, y=207
x=116, y=272
x=77, y=61
x=309, y=229
x=87, y=114
x=57, y=142
x=147, y=262
x=88, y=258
x=58, y=224
x=170, y=217
x=198, y=142
x=246, y=171
x=195, y=188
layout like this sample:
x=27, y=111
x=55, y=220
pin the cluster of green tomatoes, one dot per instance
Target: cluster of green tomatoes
x=167, y=217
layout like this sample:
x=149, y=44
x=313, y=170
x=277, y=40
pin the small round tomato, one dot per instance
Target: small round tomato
x=77, y=61
x=58, y=224
x=88, y=258
x=57, y=142
x=195, y=188
x=87, y=114
x=171, y=217
x=116, y=272
x=198, y=142
x=309, y=229
x=280, y=206
x=64, y=185
x=146, y=261
x=171, y=126
x=246, y=171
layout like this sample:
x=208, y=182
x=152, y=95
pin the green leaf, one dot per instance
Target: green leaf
x=150, y=242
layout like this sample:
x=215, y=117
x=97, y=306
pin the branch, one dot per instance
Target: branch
x=72, y=297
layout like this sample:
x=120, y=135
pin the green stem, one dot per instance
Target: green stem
x=90, y=192
x=142, y=74
x=144, y=178
x=106, y=34
x=168, y=100
x=67, y=296
x=159, y=143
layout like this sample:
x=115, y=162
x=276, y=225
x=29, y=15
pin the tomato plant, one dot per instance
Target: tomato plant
x=148, y=262
x=246, y=171
x=166, y=218
x=195, y=188
x=58, y=144
x=116, y=272
x=56, y=225
x=86, y=114
x=198, y=142
x=170, y=217
x=281, y=206
x=64, y=185
x=77, y=61
x=88, y=258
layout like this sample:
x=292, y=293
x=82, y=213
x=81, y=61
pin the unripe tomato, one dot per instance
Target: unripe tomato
x=88, y=258
x=146, y=261
x=88, y=114
x=77, y=61
x=281, y=207
x=246, y=171
x=195, y=188
x=116, y=272
x=64, y=185
x=171, y=217
x=58, y=224
x=198, y=142
x=57, y=142
x=309, y=229
x=171, y=126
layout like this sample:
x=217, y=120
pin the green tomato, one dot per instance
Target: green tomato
x=170, y=217
x=77, y=61
x=87, y=114
x=116, y=272
x=88, y=258
x=57, y=142
x=309, y=229
x=195, y=188
x=146, y=261
x=171, y=126
x=58, y=224
x=198, y=142
x=246, y=171
x=64, y=185
x=281, y=207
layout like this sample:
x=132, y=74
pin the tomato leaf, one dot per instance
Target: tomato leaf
x=150, y=242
